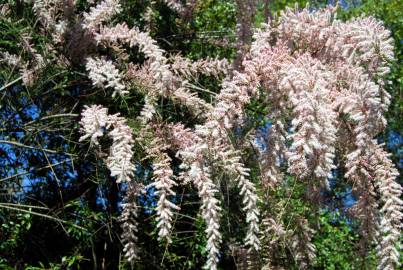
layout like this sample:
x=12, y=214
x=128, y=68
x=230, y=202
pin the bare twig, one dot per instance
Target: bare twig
x=52, y=116
x=6, y=206
x=10, y=83
x=25, y=173
x=35, y=148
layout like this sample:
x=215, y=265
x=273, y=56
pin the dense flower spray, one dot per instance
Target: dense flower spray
x=96, y=122
x=104, y=11
x=323, y=80
x=164, y=182
x=128, y=220
x=104, y=74
x=191, y=149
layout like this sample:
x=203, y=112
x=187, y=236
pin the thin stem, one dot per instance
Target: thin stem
x=10, y=83
x=2, y=205
x=34, y=148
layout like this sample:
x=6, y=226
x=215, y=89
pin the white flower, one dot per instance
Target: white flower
x=103, y=73
x=104, y=11
x=164, y=183
x=95, y=123
x=120, y=155
x=94, y=120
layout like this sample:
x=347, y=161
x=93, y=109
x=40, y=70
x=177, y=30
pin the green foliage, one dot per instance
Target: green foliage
x=334, y=242
x=14, y=227
x=70, y=262
x=214, y=22
x=192, y=241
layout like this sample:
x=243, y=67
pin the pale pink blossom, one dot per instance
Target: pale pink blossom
x=102, y=12
x=104, y=74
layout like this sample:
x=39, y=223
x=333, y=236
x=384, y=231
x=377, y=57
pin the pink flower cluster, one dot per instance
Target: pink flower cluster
x=322, y=80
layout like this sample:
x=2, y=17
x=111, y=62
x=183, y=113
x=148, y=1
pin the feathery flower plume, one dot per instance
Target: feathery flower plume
x=11, y=59
x=222, y=152
x=272, y=155
x=309, y=30
x=367, y=43
x=129, y=224
x=185, y=11
x=103, y=73
x=213, y=134
x=248, y=192
x=148, y=111
x=46, y=11
x=120, y=153
x=261, y=38
x=312, y=150
x=186, y=68
x=361, y=41
x=175, y=5
x=200, y=176
x=94, y=120
x=318, y=73
x=392, y=208
x=163, y=182
x=147, y=45
x=53, y=15
x=102, y=12
x=268, y=62
x=191, y=151
x=4, y=9
x=234, y=96
x=164, y=82
x=362, y=102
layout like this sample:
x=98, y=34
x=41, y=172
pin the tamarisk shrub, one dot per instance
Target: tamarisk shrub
x=325, y=76
x=323, y=79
